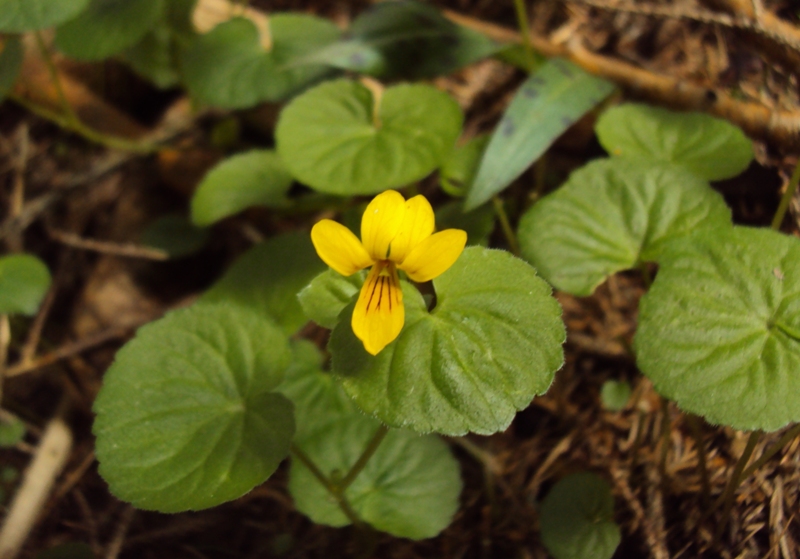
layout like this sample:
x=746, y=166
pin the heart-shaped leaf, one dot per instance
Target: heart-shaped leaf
x=107, y=27
x=611, y=215
x=719, y=331
x=710, y=147
x=10, y=63
x=228, y=67
x=187, y=417
x=492, y=343
x=255, y=178
x=409, y=488
x=268, y=277
x=615, y=394
x=24, y=280
x=405, y=39
x=12, y=431
x=576, y=519
x=327, y=294
x=18, y=16
x=547, y=104
x=334, y=139
x=317, y=397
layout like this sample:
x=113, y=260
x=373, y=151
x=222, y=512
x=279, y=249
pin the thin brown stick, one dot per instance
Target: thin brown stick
x=779, y=125
x=115, y=545
x=105, y=247
x=35, y=332
x=68, y=350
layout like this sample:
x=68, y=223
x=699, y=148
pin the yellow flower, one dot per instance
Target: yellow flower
x=395, y=234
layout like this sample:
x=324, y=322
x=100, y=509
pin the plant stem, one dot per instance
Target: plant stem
x=646, y=277
x=369, y=450
x=772, y=451
x=525, y=30
x=791, y=188
x=329, y=486
x=697, y=433
x=68, y=119
x=505, y=224
x=733, y=484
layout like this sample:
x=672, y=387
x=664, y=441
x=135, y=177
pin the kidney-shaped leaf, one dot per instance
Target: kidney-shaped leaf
x=710, y=147
x=187, y=417
x=24, y=279
x=107, y=27
x=10, y=63
x=577, y=518
x=547, y=104
x=335, y=140
x=18, y=16
x=255, y=178
x=268, y=277
x=409, y=488
x=228, y=67
x=611, y=215
x=492, y=343
x=719, y=331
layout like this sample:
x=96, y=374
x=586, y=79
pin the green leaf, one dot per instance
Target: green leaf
x=719, y=331
x=107, y=27
x=12, y=431
x=478, y=223
x=334, y=140
x=492, y=343
x=175, y=235
x=409, y=488
x=255, y=178
x=268, y=277
x=611, y=215
x=18, y=16
x=710, y=147
x=153, y=58
x=327, y=294
x=547, y=104
x=186, y=418
x=24, y=280
x=576, y=518
x=406, y=39
x=615, y=394
x=10, y=63
x=229, y=68
x=317, y=397
x=458, y=171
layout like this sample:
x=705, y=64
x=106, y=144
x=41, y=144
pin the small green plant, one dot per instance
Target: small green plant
x=442, y=335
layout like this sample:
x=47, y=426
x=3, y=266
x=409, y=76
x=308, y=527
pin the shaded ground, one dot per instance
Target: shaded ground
x=648, y=451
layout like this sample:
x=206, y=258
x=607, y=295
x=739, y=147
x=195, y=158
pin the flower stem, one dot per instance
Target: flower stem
x=68, y=119
x=525, y=30
x=733, y=484
x=647, y=278
x=329, y=486
x=369, y=450
x=505, y=224
x=791, y=188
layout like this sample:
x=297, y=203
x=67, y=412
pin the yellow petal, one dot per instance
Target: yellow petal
x=417, y=225
x=339, y=248
x=381, y=223
x=379, y=314
x=434, y=255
